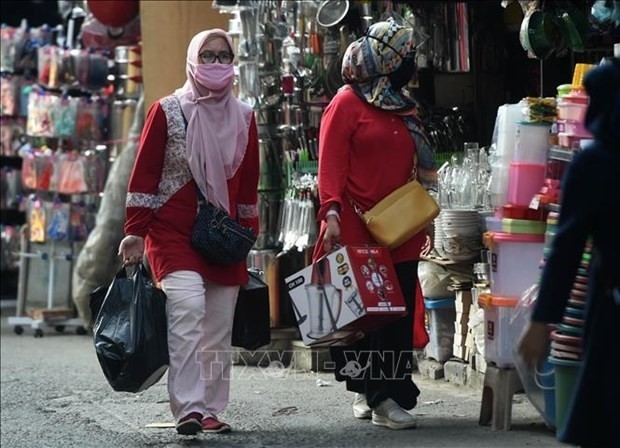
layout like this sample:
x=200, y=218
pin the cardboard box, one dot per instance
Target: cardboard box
x=460, y=339
x=460, y=329
x=462, y=307
x=469, y=341
x=354, y=289
x=459, y=351
x=463, y=319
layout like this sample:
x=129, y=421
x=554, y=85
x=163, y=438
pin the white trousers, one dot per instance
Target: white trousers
x=200, y=319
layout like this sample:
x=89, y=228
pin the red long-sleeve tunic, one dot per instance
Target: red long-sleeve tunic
x=365, y=154
x=167, y=226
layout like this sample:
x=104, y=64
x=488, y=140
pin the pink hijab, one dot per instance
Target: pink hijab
x=217, y=127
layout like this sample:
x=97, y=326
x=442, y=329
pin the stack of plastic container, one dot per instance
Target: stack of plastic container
x=572, y=108
x=567, y=337
x=515, y=236
x=508, y=115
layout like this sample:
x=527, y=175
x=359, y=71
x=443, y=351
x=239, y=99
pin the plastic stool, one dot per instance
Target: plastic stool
x=500, y=385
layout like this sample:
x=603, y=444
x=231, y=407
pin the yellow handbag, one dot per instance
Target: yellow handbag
x=400, y=215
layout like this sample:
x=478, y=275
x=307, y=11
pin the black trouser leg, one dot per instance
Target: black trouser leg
x=388, y=353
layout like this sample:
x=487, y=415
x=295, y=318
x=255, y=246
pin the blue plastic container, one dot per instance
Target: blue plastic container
x=441, y=317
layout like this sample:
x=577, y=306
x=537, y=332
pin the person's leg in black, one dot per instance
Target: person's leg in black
x=392, y=350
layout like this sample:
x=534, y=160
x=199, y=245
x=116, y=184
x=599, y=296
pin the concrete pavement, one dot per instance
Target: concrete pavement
x=53, y=394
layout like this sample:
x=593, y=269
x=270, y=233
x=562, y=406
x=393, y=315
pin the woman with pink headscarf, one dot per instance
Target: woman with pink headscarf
x=201, y=138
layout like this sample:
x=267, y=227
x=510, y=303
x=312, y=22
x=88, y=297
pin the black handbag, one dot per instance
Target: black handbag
x=251, y=325
x=218, y=238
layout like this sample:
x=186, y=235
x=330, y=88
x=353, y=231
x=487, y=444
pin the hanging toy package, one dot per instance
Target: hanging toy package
x=40, y=120
x=86, y=120
x=59, y=225
x=72, y=179
x=29, y=172
x=65, y=116
x=45, y=169
x=9, y=95
x=79, y=229
x=37, y=223
x=49, y=60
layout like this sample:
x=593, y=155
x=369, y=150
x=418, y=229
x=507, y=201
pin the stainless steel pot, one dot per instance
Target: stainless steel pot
x=121, y=120
x=127, y=53
x=128, y=68
x=268, y=213
x=270, y=90
x=249, y=89
x=267, y=116
x=270, y=166
x=128, y=87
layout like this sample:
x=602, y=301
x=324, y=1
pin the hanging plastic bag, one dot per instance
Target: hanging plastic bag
x=59, y=225
x=434, y=280
x=130, y=334
x=37, y=223
x=251, y=325
x=538, y=382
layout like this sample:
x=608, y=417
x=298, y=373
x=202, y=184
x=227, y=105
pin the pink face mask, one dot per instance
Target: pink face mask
x=215, y=77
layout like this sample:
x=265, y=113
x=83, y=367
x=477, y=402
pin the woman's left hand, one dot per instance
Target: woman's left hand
x=534, y=344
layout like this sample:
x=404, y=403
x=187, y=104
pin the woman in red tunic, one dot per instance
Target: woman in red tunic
x=368, y=140
x=203, y=139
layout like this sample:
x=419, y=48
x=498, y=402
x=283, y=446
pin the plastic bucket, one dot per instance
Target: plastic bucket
x=545, y=380
x=566, y=372
x=441, y=317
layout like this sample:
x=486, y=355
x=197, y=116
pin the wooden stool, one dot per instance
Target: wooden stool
x=500, y=385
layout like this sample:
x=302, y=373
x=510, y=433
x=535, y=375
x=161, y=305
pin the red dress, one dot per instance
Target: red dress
x=365, y=154
x=168, y=228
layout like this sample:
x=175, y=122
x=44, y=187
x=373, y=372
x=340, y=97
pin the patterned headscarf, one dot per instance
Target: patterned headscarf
x=365, y=67
x=369, y=59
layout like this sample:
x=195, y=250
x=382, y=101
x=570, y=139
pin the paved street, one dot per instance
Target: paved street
x=54, y=395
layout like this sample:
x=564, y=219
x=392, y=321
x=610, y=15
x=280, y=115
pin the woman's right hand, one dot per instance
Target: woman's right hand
x=132, y=249
x=331, y=239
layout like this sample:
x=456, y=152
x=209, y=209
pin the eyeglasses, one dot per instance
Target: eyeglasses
x=209, y=57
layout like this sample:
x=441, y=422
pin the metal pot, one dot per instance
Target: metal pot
x=267, y=116
x=121, y=120
x=268, y=214
x=248, y=82
x=270, y=166
x=270, y=91
x=128, y=68
x=125, y=53
x=315, y=114
x=269, y=51
x=291, y=115
x=128, y=87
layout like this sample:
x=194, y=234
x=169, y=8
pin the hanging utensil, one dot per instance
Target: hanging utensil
x=332, y=12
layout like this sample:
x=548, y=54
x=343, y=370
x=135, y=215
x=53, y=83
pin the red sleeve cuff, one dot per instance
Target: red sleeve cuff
x=326, y=206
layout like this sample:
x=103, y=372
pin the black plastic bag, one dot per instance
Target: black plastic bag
x=251, y=326
x=96, y=300
x=131, y=334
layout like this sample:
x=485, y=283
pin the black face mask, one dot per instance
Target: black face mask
x=400, y=77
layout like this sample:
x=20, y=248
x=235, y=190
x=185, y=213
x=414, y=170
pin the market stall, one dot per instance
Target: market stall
x=68, y=97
